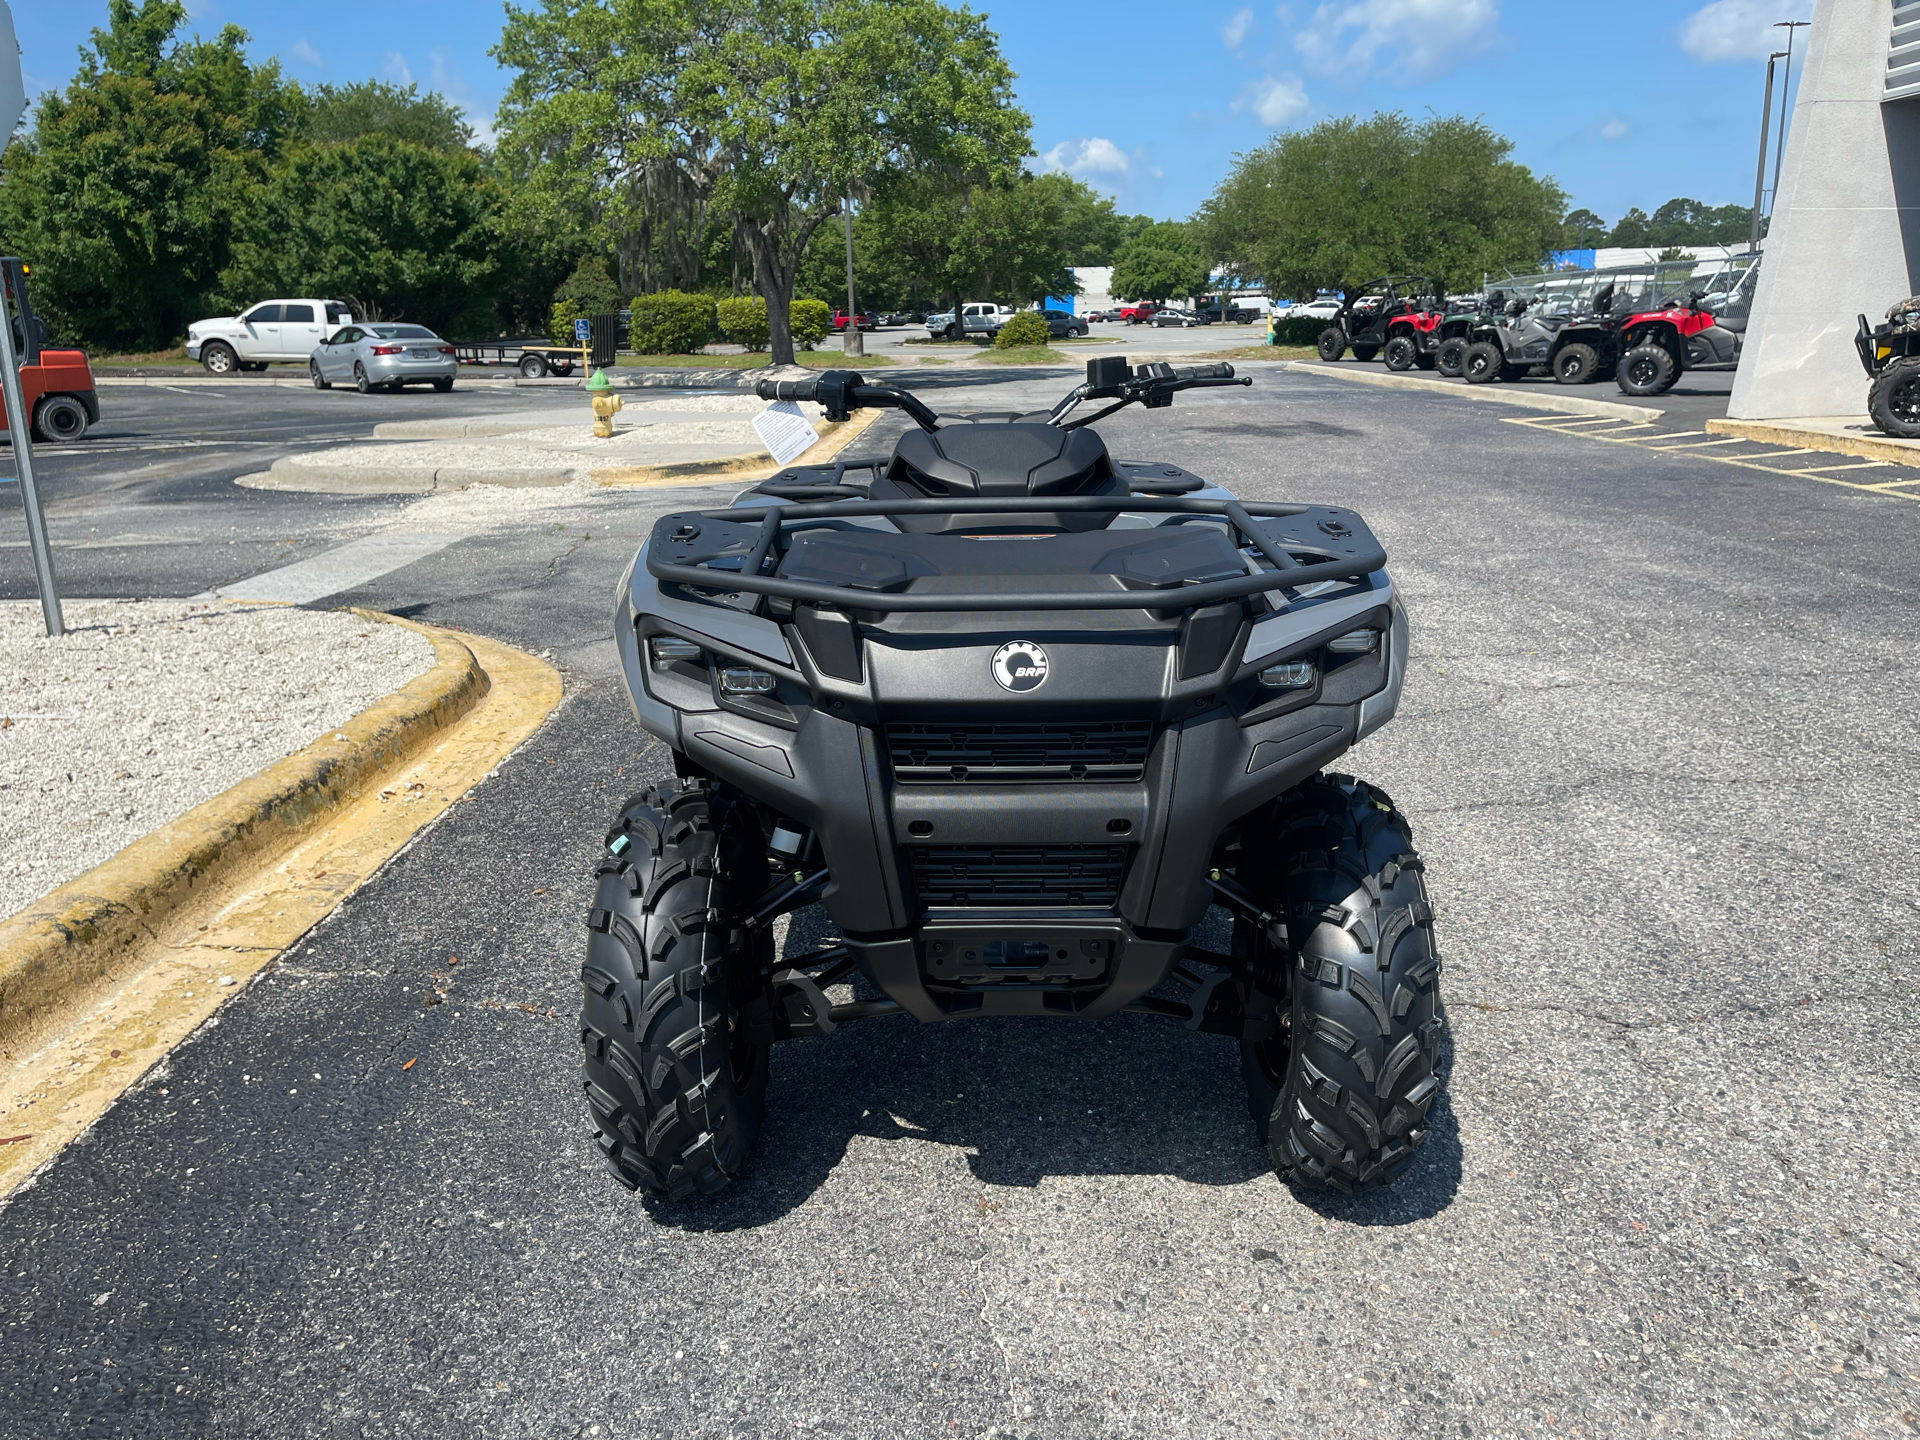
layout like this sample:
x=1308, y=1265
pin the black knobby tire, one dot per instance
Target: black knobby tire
x=59, y=419
x=1424, y=360
x=1332, y=343
x=675, y=1028
x=1451, y=355
x=1576, y=364
x=1401, y=353
x=1341, y=1093
x=1365, y=352
x=1647, y=370
x=1893, y=400
x=1483, y=363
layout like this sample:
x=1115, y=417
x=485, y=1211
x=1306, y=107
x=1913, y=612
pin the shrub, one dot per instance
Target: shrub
x=587, y=292
x=1298, y=330
x=672, y=322
x=744, y=321
x=1026, y=328
x=810, y=320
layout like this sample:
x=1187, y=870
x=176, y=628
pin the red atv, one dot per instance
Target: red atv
x=55, y=385
x=1398, y=313
x=1646, y=350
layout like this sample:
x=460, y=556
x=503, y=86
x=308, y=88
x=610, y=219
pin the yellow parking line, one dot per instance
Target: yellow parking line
x=1810, y=469
x=1693, y=444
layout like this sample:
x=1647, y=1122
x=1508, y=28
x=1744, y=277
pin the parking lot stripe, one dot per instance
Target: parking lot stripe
x=338, y=569
x=1698, y=444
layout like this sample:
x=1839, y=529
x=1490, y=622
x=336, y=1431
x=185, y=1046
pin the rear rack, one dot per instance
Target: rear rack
x=725, y=551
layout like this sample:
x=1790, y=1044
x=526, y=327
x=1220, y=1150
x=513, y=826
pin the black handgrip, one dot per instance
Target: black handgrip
x=786, y=389
x=1221, y=371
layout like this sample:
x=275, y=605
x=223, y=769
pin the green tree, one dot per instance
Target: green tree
x=1351, y=199
x=335, y=113
x=402, y=231
x=1163, y=260
x=589, y=290
x=125, y=195
x=761, y=114
x=1090, y=232
x=1688, y=222
x=1582, y=230
x=1632, y=228
x=1004, y=240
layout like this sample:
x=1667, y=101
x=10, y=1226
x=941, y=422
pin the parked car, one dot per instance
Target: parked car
x=1173, y=316
x=1324, y=309
x=383, y=357
x=1063, y=322
x=271, y=330
x=862, y=320
x=976, y=317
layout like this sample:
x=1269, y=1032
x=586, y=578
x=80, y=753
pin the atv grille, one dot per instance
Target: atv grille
x=961, y=752
x=982, y=877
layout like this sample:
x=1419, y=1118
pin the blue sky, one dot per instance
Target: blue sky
x=1630, y=103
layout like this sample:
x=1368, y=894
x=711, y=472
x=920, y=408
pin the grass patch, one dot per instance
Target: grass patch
x=176, y=356
x=814, y=359
x=1028, y=355
x=1262, y=352
x=934, y=360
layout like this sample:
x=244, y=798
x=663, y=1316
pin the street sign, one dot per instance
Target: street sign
x=581, y=329
x=13, y=89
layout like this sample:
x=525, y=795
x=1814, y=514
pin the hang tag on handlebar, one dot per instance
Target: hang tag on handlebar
x=785, y=432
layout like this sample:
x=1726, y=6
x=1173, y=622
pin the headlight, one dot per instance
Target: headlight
x=1297, y=675
x=665, y=650
x=1355, y=642
x=738, y=680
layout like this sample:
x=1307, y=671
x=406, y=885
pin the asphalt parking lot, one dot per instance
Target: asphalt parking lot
x=1656, y=744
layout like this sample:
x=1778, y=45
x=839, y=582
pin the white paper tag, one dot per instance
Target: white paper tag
x=785, y=432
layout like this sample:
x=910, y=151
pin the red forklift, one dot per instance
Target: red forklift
x=55, y=385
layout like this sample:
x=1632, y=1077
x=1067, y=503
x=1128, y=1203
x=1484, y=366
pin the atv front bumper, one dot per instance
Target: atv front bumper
x=1003, y=889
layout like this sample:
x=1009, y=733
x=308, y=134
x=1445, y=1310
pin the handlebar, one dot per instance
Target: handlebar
x=787, y=389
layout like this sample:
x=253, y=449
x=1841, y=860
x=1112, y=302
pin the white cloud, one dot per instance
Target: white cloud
x=1614, y=129
x=1421, y=36
x=306, y=54
x=1733, y=30
x=1091, y=156
x=1235, y=30
x=1275, y=101
x=449, y=80
x=396, y=68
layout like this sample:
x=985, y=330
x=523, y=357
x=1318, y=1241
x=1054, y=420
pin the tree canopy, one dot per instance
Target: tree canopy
x=763, y=114
x=1164, y=259
x=332, y=114
x=1351, y=199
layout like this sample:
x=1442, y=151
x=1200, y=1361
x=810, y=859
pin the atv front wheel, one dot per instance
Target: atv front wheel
x=1451, y=356
x=1483, y=363
x=1333, y=343
x=1647, y=370
x=1893, y=400
x=1401, y=353
x=1576, y=364
x=1340, y=1093
x=674, y=1024
x=1365, y=352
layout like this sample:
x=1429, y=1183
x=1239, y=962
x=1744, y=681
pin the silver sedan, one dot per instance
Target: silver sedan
x=383, y=357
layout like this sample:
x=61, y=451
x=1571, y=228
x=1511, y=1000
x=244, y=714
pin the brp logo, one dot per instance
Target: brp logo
x=1020, y=665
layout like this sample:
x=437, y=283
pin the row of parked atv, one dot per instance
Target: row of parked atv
x=1616, y=333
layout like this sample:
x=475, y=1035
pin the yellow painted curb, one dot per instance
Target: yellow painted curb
x=101, y=978
x=1804, y=437
x=835, y=436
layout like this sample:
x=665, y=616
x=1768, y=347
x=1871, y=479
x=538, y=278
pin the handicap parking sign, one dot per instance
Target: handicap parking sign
x=580, y=331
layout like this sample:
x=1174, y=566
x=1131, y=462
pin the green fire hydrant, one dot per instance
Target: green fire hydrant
x=605, y=403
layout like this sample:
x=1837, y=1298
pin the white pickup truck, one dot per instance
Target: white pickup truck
x=271, y=330
x=975, y=318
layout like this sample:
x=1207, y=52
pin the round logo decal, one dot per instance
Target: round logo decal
x=1020, y=665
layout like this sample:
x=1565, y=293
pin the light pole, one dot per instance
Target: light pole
x=1760, y=170
x=852, y=344
x=1786, y=88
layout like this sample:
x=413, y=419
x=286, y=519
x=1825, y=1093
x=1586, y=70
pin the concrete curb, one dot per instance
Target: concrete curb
x=1526, y=399
x=87, y=928
x=1806, y=437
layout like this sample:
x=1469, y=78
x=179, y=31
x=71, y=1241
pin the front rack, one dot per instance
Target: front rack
x=768, y=525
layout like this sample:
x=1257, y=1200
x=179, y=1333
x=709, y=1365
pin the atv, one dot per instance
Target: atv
x=1018, y=716
x=1456, y=329
x=1890, y=354
x=1511, y=343
x=1647, y=347
x=1374, y=315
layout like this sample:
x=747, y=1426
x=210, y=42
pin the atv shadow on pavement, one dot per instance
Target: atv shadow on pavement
x=1029, y=1099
